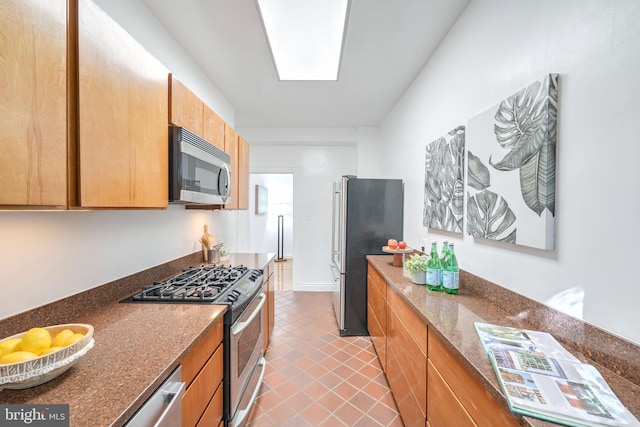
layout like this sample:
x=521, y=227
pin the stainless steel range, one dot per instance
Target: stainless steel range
x=240, y=288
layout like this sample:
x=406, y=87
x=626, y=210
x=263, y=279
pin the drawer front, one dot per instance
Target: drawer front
x=378, y=337
x=443, y=408
x=476, y=399
x=198, y=356
x=377, y=280
x=406, y=371
x=378, y=302
x=414, y=322
x=213, y=414
x=199, y=394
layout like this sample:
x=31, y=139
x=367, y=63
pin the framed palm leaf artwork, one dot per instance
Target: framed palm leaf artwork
x=444, y=182
x=511, y=168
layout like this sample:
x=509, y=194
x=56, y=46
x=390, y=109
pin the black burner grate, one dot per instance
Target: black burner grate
x=195, y=284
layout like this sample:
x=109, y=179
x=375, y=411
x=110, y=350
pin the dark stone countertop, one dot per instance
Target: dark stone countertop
x=452, y=317
x=136, y=345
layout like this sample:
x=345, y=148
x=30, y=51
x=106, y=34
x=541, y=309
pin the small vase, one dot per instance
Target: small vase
x=419, y=278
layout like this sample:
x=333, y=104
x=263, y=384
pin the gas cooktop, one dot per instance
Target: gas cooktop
x=203, y=284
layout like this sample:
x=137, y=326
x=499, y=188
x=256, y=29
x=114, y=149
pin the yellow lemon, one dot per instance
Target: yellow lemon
x=9, y=346
x=51, y=350
x=73, y=338
x=61, y=337
x=36, y=340
x=17, y=356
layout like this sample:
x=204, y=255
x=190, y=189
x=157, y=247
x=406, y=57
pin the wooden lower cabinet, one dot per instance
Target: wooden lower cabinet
x=464, y=387
x=406, y=359
x=430, y=385
x=377, y=314
x=268, y=320
x=202, y=371
x=443, y=408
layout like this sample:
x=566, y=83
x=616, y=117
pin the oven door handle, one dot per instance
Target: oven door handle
x=236, y=330
x=242, y=414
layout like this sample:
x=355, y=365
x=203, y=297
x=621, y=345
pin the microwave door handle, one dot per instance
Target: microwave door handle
x=225, y=170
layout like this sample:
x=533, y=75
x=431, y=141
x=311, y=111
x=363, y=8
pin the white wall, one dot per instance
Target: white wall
x=45, y=256
x=496, y=48
x=315, y=166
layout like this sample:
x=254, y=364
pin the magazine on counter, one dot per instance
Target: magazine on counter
x=541, y=379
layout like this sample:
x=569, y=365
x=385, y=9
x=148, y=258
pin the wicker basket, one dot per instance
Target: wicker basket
x=37, y=371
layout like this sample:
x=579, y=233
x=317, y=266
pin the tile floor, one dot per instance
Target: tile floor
x=314, y=377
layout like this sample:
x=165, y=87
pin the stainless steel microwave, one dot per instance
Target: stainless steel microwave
x=199, y=172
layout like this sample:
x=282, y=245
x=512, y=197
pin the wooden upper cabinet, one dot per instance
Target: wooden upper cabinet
x=231, y=148
x=33, y=103
x=122, y=117
x=185, y=108
x=213, y=127
x=243, y=173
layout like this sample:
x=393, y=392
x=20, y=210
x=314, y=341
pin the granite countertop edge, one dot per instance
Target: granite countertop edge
x=452, y=318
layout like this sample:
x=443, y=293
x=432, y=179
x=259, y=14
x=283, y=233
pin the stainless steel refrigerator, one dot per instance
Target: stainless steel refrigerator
x=366, y=213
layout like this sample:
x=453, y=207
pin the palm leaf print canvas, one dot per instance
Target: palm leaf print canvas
x=511, y=168
x=443, y=183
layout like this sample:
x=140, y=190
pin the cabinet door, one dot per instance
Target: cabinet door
x=474, y=397
x=231, y=148
x=122, y=117
x=33, y=103
x=202, y=390
x=243, y=173
x=185, y=108
x=407, y=359
x=443, y=408
x=213, y=127
x=376, y=314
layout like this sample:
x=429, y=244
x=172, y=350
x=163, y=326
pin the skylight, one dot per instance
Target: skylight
x=305, y=36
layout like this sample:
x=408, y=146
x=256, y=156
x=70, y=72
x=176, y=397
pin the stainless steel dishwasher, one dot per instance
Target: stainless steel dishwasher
x=164, y=407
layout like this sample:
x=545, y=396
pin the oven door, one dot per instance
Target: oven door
x=246, y=340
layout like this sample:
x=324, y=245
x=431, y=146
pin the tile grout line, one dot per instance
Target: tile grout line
x=315, y=377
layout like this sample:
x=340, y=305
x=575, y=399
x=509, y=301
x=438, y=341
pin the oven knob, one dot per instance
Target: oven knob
x=232, y=297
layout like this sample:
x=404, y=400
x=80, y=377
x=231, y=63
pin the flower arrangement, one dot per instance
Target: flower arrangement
x=416, y=263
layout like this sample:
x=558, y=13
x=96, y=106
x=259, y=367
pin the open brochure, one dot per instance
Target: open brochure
x=541, y=379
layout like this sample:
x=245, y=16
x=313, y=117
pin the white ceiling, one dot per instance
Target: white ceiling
x=387, y=43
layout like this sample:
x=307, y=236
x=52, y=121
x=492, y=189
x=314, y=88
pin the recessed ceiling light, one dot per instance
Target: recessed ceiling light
x=305, y=36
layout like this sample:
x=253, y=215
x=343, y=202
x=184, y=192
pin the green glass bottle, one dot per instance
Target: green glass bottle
x=444, y=257
x=434, y=269
x=451, y=274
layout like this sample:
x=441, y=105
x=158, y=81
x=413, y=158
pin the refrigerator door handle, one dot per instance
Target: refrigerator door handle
x=336, y=228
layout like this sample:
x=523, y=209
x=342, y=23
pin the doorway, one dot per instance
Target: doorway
x=272, y=229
